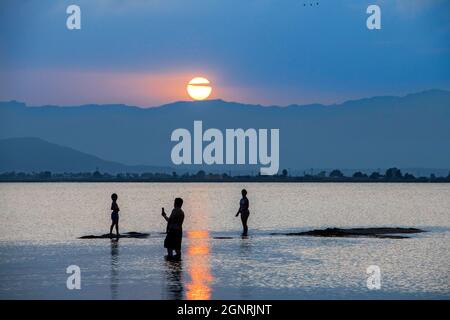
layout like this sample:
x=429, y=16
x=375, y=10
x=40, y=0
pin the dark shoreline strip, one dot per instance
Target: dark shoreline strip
x=382, y=233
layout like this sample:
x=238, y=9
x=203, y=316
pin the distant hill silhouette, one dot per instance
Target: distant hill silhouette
x=380, y=132
x=34, y=154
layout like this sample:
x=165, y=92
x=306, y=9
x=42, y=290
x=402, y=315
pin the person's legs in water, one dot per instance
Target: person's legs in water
x=117, y=228
x=169, y=253
x=244, y=218
x=111, y=228
x=178, y=253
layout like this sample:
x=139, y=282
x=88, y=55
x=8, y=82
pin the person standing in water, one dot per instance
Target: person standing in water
x=174, y=230
x=114, y=215
x=243, y=210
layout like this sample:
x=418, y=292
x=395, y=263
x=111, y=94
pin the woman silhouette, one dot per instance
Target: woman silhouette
x=174, y=230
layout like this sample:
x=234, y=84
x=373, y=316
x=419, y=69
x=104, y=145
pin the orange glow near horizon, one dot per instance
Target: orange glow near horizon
x=77, y=87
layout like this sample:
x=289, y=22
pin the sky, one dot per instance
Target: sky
x=270, y=52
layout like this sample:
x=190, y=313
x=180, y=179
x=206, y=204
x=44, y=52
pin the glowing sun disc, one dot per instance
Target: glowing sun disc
x=199, y=88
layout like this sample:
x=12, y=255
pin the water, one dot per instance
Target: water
x=40, y=224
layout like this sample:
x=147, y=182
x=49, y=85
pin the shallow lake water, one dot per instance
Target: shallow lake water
x=40, y=224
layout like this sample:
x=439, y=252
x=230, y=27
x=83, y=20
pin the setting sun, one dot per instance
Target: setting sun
x=199, y=88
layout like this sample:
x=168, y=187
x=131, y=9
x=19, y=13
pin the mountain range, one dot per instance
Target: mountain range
x=412, y=131
x=37, y=155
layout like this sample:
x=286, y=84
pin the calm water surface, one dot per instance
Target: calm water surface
x=40, y=224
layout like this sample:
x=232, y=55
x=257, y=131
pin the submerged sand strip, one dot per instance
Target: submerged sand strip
x=388, y=233
x=136, y=235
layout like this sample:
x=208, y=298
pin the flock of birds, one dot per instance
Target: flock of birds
x=311, y=4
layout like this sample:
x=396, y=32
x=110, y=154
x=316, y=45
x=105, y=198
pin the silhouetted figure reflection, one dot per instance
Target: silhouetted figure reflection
x=114, y=268
x=243, y=211
x=245, y=269
x=175, y=286
x=174, y=230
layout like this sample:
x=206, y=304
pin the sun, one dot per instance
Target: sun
x=199, y=88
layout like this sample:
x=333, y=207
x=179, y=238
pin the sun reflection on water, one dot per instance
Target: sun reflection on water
x=198, y=252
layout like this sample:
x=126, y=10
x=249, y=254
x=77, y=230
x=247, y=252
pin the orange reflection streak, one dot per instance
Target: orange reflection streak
x=198, y=252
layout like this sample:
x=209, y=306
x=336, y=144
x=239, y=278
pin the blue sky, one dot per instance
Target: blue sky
x=143, y=52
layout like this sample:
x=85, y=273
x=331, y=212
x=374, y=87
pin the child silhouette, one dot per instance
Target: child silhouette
x=114, y=215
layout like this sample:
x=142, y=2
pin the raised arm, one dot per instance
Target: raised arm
x=163, y=213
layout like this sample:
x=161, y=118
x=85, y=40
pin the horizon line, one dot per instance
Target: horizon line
x=226, y=101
